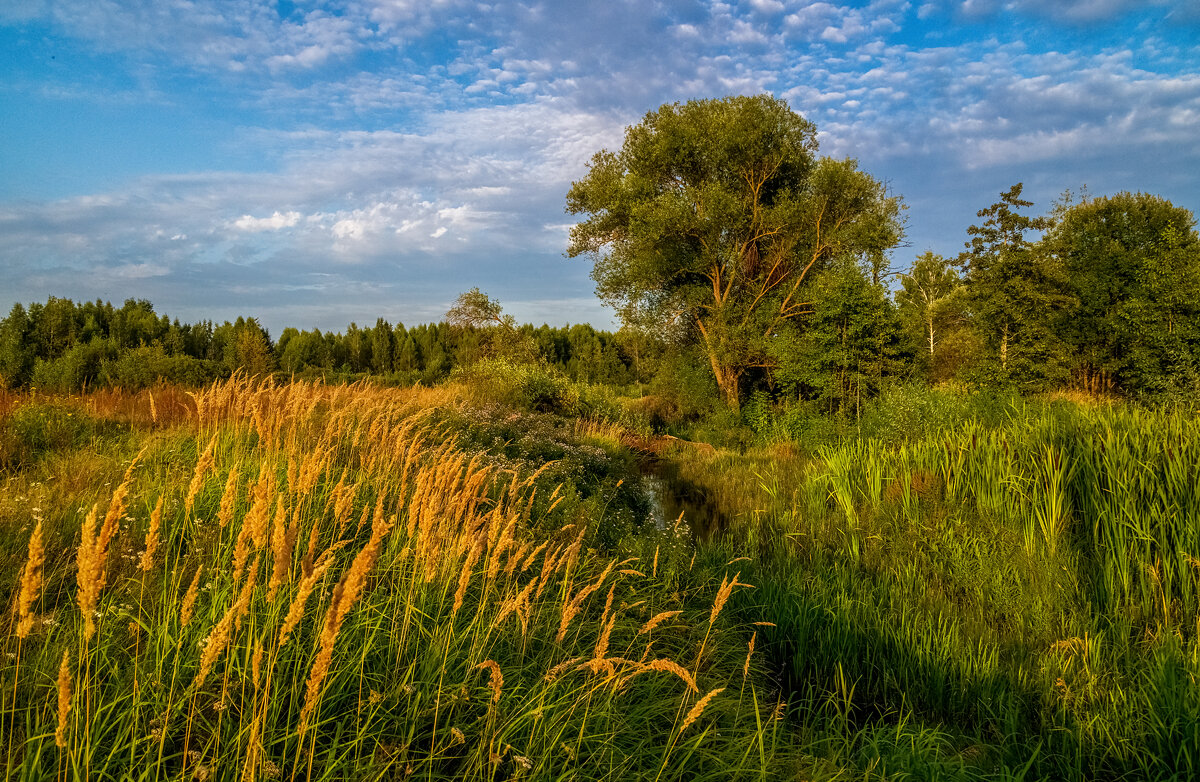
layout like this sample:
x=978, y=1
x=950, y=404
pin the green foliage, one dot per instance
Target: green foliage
x=1016, y=296
x=34, y=430
x=843, y=352
x=16, y=354
x=710, y=217
x=1133, y=264
x=682, y=390
x=145, y=367
x=988, y=588
x=931, y=305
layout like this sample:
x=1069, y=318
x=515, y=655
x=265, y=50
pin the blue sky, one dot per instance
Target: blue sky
x=320, y=163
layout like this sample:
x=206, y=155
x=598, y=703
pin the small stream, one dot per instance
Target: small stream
x=670, y=495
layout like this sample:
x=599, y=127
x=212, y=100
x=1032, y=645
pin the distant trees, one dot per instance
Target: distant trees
x=1100, y=294
x=1016, y=295
x=64, y=346
x=932, y=306
x=1107, y=299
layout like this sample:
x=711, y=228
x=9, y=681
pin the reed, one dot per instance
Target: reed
x=64, y=701
x=31, y=581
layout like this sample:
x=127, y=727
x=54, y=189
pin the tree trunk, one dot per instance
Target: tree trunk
x=1004, y=347
x=727, y=382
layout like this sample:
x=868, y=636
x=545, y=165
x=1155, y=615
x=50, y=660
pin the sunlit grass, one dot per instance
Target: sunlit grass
x=323, y=582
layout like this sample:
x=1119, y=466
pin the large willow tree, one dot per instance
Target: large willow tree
x=712, y=217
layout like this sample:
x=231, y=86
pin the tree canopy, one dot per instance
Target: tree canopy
x=1133, y=262
x=713, y=215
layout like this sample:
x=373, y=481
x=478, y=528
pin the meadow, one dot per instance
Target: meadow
x=268, y=580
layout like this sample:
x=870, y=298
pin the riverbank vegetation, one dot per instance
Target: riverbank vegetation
x=482, y=581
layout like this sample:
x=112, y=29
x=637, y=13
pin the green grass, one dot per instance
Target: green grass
x=1014, y=597
x=978, y=588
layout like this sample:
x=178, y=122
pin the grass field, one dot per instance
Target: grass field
x=300, y=581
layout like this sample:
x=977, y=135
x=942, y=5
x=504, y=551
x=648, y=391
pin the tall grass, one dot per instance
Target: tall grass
x=1015, y=596
x=313, y=582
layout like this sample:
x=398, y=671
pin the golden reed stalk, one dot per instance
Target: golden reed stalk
x=152, y=536
x=312, y=574
x=64, y=701
x=222, y=633
x=345, y=594
x=495, y=678
x=31, y=582
x=572, y=608
x=202, y=466
x=658, y=619
x=698, y=709
x=189, y=599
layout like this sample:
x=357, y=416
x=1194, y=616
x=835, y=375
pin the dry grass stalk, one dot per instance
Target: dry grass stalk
x=517, y=604
x=31, y=581
x=89, y=562
x=532, y=556
x=312, y=574
x=561, y=668
x=654, y=572
x=64, y=701
x=698, y=709
x=663, y=665
x=228, y=498
x=464, y=577
x=283, y=541
x=256, y=663
x=723, y=594
x=607, y=623
x=116, y=506
x=188, y=607
x=516, y=557
x=222, y=633
x=258, y=517
x=344, y=596
x=571, y=556
x=202, y=466
x=152, y=536
x=495, y=678
x=93, y=552
x=548, y=564
x=749, y=654
x=572, y=608
x=658, y=619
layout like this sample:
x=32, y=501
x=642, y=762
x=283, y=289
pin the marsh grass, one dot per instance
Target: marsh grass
x=1014, y=597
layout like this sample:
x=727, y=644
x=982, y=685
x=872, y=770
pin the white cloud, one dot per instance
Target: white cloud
x=275, y=222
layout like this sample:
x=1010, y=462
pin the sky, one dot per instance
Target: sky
x=313, y=164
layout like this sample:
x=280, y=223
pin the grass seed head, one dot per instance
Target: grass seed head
x=64, y=700
x=670, y=666
x=658, y=619
x=495, y=678
x=31, y=581
x=152, y=536
x=698, y=709
x=188, y=606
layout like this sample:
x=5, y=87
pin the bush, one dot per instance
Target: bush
x=147, y=366
x=35, y=429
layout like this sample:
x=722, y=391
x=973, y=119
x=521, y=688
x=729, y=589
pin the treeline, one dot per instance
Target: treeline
x=66, y=346
x=1100, y=295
